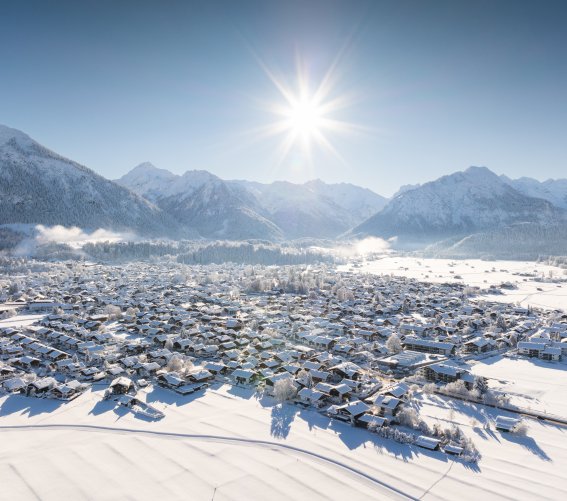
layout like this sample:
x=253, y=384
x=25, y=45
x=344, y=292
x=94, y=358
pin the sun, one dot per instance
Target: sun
x=306, y=113
x=306, y=118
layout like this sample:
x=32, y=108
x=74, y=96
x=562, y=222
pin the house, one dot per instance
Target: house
x=386, y=405
x=40, y=387
x=346, y=370
x=67, y=391
x=350, y=411
x=311, y=396
x=479, y=345
x=244, y=376
x=14, y=385
x=371, y=421
x=7, y=372
x=27, y=362
x=199, y=375
x=121, y=385
x=399, y=390
x=215, y=367
x=42, y=305
x=147, y=369
x=542, y=349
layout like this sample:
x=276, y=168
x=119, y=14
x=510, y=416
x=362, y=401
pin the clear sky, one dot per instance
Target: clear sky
x=432, y=87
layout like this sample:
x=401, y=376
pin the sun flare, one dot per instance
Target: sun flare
x=306, y=117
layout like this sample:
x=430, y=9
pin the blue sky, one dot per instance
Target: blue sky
x=434, y=86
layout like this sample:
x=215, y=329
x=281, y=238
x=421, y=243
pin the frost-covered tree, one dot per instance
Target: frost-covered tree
x=284, y=390
x=114, y=312
x=481, y=384
x=304, y=377
x=176, y=363
x=394, y=344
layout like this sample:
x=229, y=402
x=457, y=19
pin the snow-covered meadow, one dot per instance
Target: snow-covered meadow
x=535, y=284
x=228, y=444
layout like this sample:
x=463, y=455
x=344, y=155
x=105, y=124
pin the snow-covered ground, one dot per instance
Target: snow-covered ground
x=531, y=383
x=228, y=444
x=478, y=273
x=20, y=320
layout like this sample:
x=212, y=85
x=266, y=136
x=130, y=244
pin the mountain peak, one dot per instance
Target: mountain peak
x=479, y=172
x=145, y=167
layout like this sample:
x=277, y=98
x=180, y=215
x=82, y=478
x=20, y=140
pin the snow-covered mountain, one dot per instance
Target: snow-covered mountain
x=552, y=190
x=315, y=209
x=203, y=202
x=243, y=209
x=458, y=204
x=38, y=186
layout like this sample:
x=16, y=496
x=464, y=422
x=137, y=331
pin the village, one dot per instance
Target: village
x=358, y=348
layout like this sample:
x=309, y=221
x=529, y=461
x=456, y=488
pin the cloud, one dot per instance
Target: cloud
x=369, y=245
x=74, y=236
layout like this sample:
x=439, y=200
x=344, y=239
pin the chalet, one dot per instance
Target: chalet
x=7, y=372
x=147, y=369
x=346, y=370
x=479, y=345
x=244, y=376
x=27, y=362
x=200, y=375
x=67, y=391
x=121, y=385
x=399, y=390
x=170, y=380
x=215, y=367
x=311, y=396
x=14, y=385
x=340, y=392
x=371, y=421
x=40, y=387
x=386, y=405
x=350, y=411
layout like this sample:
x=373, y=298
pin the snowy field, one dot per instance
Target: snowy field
x=475, y=272
x=531, y=383
x=227, y=444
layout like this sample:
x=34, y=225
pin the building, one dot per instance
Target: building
x=428, y=345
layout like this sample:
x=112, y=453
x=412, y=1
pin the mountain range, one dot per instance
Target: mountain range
x=242, y=209
x=38, y=186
